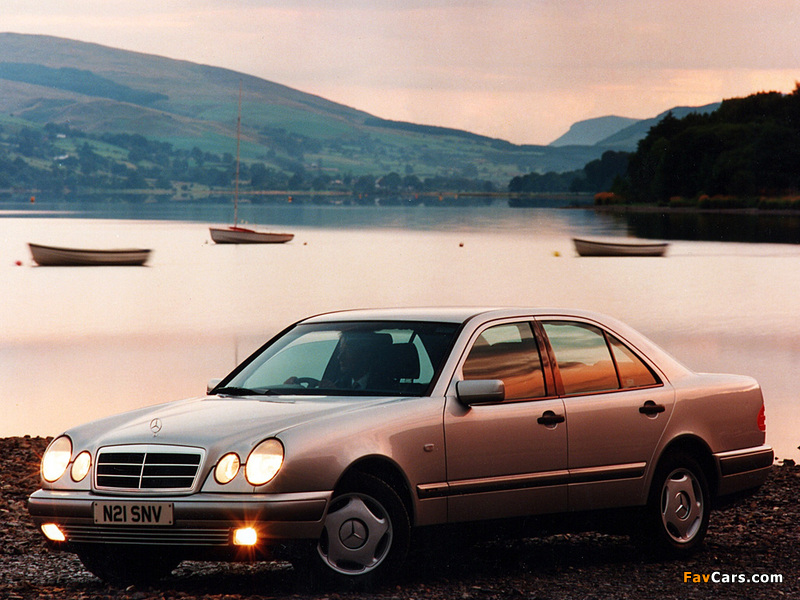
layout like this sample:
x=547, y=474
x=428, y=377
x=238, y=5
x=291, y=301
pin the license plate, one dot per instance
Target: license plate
x=133, y=513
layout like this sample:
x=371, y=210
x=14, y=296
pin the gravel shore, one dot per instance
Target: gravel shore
x=759, y=536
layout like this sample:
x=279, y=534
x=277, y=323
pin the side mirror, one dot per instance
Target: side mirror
x=480, y=391
x=212, y=383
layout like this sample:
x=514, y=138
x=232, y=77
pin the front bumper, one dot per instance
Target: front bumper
x=203, y=524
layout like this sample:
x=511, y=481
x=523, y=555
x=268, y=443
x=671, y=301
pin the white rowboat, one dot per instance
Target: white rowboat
x=54, y=256
x=619, y=248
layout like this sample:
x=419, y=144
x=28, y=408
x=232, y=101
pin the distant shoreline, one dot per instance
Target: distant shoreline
x=653, y=208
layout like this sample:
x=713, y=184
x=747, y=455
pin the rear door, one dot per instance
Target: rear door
x=617, y=407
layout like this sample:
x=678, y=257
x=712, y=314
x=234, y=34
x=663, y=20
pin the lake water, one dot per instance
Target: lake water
x=80, y=343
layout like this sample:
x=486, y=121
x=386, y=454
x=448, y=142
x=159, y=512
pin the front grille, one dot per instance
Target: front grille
x=147, y=468
x=155, y=536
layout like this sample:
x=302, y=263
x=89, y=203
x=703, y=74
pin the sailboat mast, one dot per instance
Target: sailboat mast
x=238, y=140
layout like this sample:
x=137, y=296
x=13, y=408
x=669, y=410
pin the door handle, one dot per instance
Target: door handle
x=550, y=419
x=651, y=409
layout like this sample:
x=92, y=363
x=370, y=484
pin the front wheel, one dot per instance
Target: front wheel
x=677, y=513
x=366, y=534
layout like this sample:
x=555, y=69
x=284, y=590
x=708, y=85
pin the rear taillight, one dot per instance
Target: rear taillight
x=762, y=419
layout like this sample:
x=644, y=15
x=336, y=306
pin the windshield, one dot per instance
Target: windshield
x=352, y=358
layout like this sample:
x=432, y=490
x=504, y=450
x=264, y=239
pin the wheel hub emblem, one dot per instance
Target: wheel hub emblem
x=684, y=508
x=353, y=534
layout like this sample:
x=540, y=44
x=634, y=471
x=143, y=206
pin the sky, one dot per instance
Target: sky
x=520, y=70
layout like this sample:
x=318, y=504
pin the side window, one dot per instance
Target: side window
x=583, y=357
x=633, y=373
x=508, y=352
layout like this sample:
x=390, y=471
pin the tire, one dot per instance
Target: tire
x=677, y=514
x=123, y=566
x=366, y=535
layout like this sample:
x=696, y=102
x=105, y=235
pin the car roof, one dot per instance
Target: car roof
x=452, y=314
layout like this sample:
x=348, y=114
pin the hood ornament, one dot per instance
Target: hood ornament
x=155, y=426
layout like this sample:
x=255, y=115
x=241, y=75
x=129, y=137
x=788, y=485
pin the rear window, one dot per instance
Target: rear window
x=633, y=372
x=589, y=360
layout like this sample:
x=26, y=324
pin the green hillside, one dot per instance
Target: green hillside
x=86, y=93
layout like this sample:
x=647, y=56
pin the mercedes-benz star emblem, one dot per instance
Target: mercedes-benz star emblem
x=353, y=534
x=155, y=426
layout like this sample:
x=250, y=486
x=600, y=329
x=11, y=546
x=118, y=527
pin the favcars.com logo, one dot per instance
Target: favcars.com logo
x=720, y=577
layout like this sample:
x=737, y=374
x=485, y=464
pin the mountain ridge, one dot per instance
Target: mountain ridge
x=103, y=90
x=590, y=132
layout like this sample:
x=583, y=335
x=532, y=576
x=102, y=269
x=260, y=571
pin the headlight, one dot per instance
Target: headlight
x=81, y=466
x=227, y=468
x=264, y=462
x=56, y=458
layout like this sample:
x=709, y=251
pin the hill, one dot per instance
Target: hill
x=593, y=131
x=627, y=138
x=621, y=133
x=90, y=93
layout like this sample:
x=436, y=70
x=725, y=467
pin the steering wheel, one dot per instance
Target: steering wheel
x=307, y=382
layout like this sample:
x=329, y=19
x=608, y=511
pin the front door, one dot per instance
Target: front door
x=506, y=458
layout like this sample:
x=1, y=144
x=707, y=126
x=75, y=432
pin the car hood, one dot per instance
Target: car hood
x=211, y=421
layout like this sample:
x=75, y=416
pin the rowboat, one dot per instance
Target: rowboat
x=54, y=256
x=619, y=248
x=242, y=235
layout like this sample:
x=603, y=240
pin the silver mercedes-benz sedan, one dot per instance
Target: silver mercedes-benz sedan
x=347, y=430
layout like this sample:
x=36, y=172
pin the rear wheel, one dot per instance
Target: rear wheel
x=127, y=565
x=366, y=534
x=678, y=510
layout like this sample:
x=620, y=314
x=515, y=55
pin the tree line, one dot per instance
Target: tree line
x=746, y=153
x=61, y=160
x=749, y=148
x=596, y=175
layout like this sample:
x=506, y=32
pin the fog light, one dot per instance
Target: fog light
x=53, y=532
x=246, y=536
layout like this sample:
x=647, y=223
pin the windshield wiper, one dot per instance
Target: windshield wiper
x=240, y=391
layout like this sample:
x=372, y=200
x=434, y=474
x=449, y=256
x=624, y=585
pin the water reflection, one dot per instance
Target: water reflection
x=427, y=213
x=713, y=227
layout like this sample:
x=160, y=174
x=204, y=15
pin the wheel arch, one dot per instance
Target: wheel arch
x=387, y=471
x=696, y=448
